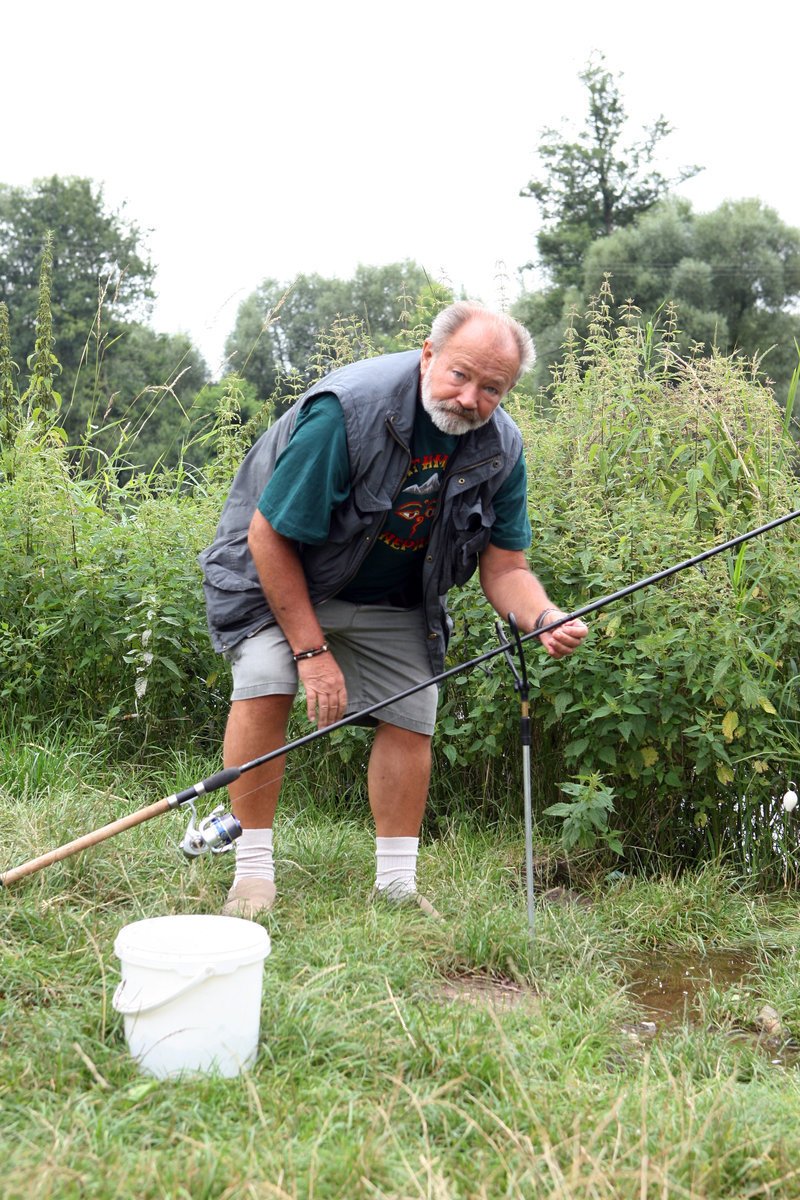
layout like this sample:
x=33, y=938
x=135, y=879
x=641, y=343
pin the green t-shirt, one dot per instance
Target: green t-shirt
x=312, y=477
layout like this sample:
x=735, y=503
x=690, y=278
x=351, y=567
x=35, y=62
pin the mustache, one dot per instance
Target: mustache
x=455, y=410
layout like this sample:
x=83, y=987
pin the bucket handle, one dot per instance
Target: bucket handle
x=135, y=1010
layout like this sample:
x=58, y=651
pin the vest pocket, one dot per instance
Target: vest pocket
x=471, y=528
x=229, y=567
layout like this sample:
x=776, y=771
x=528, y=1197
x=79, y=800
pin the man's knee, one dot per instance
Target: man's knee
x=258, y=712
x=258, y=704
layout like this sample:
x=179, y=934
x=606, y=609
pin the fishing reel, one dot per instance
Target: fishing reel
x=217, y=832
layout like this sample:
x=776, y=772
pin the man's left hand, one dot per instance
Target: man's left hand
x=562, y=641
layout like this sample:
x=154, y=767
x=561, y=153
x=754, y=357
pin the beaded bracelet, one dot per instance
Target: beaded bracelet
x=323, y=649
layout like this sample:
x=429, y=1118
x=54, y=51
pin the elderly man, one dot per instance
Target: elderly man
x=389, y=482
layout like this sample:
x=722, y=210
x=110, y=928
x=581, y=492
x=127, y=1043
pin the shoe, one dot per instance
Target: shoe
x=249, y=897
x=409, y=900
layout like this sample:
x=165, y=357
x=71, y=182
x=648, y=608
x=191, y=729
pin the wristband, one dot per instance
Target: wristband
x=323, y=649
x=540, y=620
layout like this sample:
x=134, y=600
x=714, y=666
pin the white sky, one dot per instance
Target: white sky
x=265, y=139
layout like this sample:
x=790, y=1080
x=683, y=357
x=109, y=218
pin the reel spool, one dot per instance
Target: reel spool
x=217, y=832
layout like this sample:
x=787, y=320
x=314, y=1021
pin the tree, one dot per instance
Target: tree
x=96, y=257
x=117, y=374
x=593, y=184
x=733, y=274
x=279, y=326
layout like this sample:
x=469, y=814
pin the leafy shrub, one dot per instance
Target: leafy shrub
x=648, y=459
x=101, y=606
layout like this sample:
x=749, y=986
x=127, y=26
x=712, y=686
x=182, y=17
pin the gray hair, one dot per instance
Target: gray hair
x=450, y=320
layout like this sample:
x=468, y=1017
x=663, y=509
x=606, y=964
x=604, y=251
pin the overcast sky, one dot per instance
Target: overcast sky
x=255, y=140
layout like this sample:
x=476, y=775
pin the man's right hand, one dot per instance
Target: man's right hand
x=326, y=695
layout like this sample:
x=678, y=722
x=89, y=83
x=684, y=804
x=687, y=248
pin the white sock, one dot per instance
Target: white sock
x=396, y=872
x=254, y=855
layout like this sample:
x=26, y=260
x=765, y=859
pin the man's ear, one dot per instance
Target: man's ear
x=427, y=355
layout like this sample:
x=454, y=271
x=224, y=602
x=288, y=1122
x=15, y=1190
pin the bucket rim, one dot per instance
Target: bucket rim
x=178, y=941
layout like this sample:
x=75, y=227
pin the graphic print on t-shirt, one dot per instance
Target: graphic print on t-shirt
x=392, y=571
x=407, y=527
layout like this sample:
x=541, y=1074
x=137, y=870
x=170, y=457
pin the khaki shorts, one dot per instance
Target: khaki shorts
x=380, y=650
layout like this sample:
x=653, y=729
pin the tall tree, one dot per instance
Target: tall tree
x=101, y=295
x=593, y=183
x=96, y=255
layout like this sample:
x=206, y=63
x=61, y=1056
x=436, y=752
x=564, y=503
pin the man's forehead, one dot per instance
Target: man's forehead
x=485, y=342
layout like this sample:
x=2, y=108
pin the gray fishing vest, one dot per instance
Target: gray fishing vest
x=379, y=398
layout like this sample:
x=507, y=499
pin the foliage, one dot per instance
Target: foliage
x=94, y=251
x=734, y=274
x=585, y=816
x=9, y=399
x=278, y=327
x=40, y=396
x=100, y=611
x=681, y=705
x=592, y=183
x=143, y=399
x=100, y=296
x=649, y=458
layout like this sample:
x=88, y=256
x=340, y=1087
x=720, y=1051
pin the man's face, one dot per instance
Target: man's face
x=463, y=384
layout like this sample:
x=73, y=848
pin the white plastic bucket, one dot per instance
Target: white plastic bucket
x=191, y=993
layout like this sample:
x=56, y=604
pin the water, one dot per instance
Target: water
x=666, y=986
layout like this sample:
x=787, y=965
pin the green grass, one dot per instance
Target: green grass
x=369, y=1082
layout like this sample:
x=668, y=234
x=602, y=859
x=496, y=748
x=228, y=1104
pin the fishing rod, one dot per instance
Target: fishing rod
x=218, y=832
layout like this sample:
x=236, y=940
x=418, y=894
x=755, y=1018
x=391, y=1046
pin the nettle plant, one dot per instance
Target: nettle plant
x=675, y=697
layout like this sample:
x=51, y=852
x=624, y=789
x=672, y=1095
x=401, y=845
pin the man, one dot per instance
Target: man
x=392, y=480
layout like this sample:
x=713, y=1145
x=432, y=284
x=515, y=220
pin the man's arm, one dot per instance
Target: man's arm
x=284, y=583
x=510, y=586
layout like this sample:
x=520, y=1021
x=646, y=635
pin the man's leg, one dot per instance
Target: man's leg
x=398, y=778
x=255, y=727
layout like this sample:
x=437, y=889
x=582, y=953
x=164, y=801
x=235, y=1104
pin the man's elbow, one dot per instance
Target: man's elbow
x=258, y=533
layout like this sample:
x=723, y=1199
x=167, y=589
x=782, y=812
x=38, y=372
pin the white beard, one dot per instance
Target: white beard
x=448, y=417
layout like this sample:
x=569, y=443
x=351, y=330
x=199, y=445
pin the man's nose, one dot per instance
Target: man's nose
x=468, y=397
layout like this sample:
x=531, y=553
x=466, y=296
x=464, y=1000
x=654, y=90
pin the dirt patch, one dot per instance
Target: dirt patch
x=484, y=991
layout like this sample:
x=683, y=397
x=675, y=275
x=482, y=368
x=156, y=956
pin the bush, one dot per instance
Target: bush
x=101, y=609
x=681, y=699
